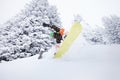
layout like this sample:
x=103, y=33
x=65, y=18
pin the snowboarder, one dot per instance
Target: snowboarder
x=58, y=34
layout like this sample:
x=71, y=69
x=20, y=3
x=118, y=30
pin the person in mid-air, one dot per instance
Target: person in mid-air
x=58, y=34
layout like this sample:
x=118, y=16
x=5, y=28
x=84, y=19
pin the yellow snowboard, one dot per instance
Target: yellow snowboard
x=72, y=35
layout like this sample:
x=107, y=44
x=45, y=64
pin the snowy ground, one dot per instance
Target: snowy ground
x=80, y=62
x=86, y=63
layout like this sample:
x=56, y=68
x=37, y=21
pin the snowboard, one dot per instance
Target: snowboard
x=71, y=36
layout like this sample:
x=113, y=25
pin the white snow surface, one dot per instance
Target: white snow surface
x=82, y=61
x=79, y=63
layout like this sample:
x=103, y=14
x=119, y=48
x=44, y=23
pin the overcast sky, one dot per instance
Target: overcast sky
x=90, y=10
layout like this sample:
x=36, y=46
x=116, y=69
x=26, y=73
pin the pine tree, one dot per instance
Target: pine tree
x=24, y=35
x=112, y=29
x=92, y=36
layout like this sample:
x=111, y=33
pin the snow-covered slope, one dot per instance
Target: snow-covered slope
x=86, y=63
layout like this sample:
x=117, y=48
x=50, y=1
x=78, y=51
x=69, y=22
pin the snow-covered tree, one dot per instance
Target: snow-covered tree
x=91, y=35
x=54, y=18
x=94, y=36
x=112, y=29
x=24, y=35
x=110, y=34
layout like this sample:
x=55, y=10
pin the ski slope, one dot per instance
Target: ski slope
x=85, y=63
x=82, y=61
